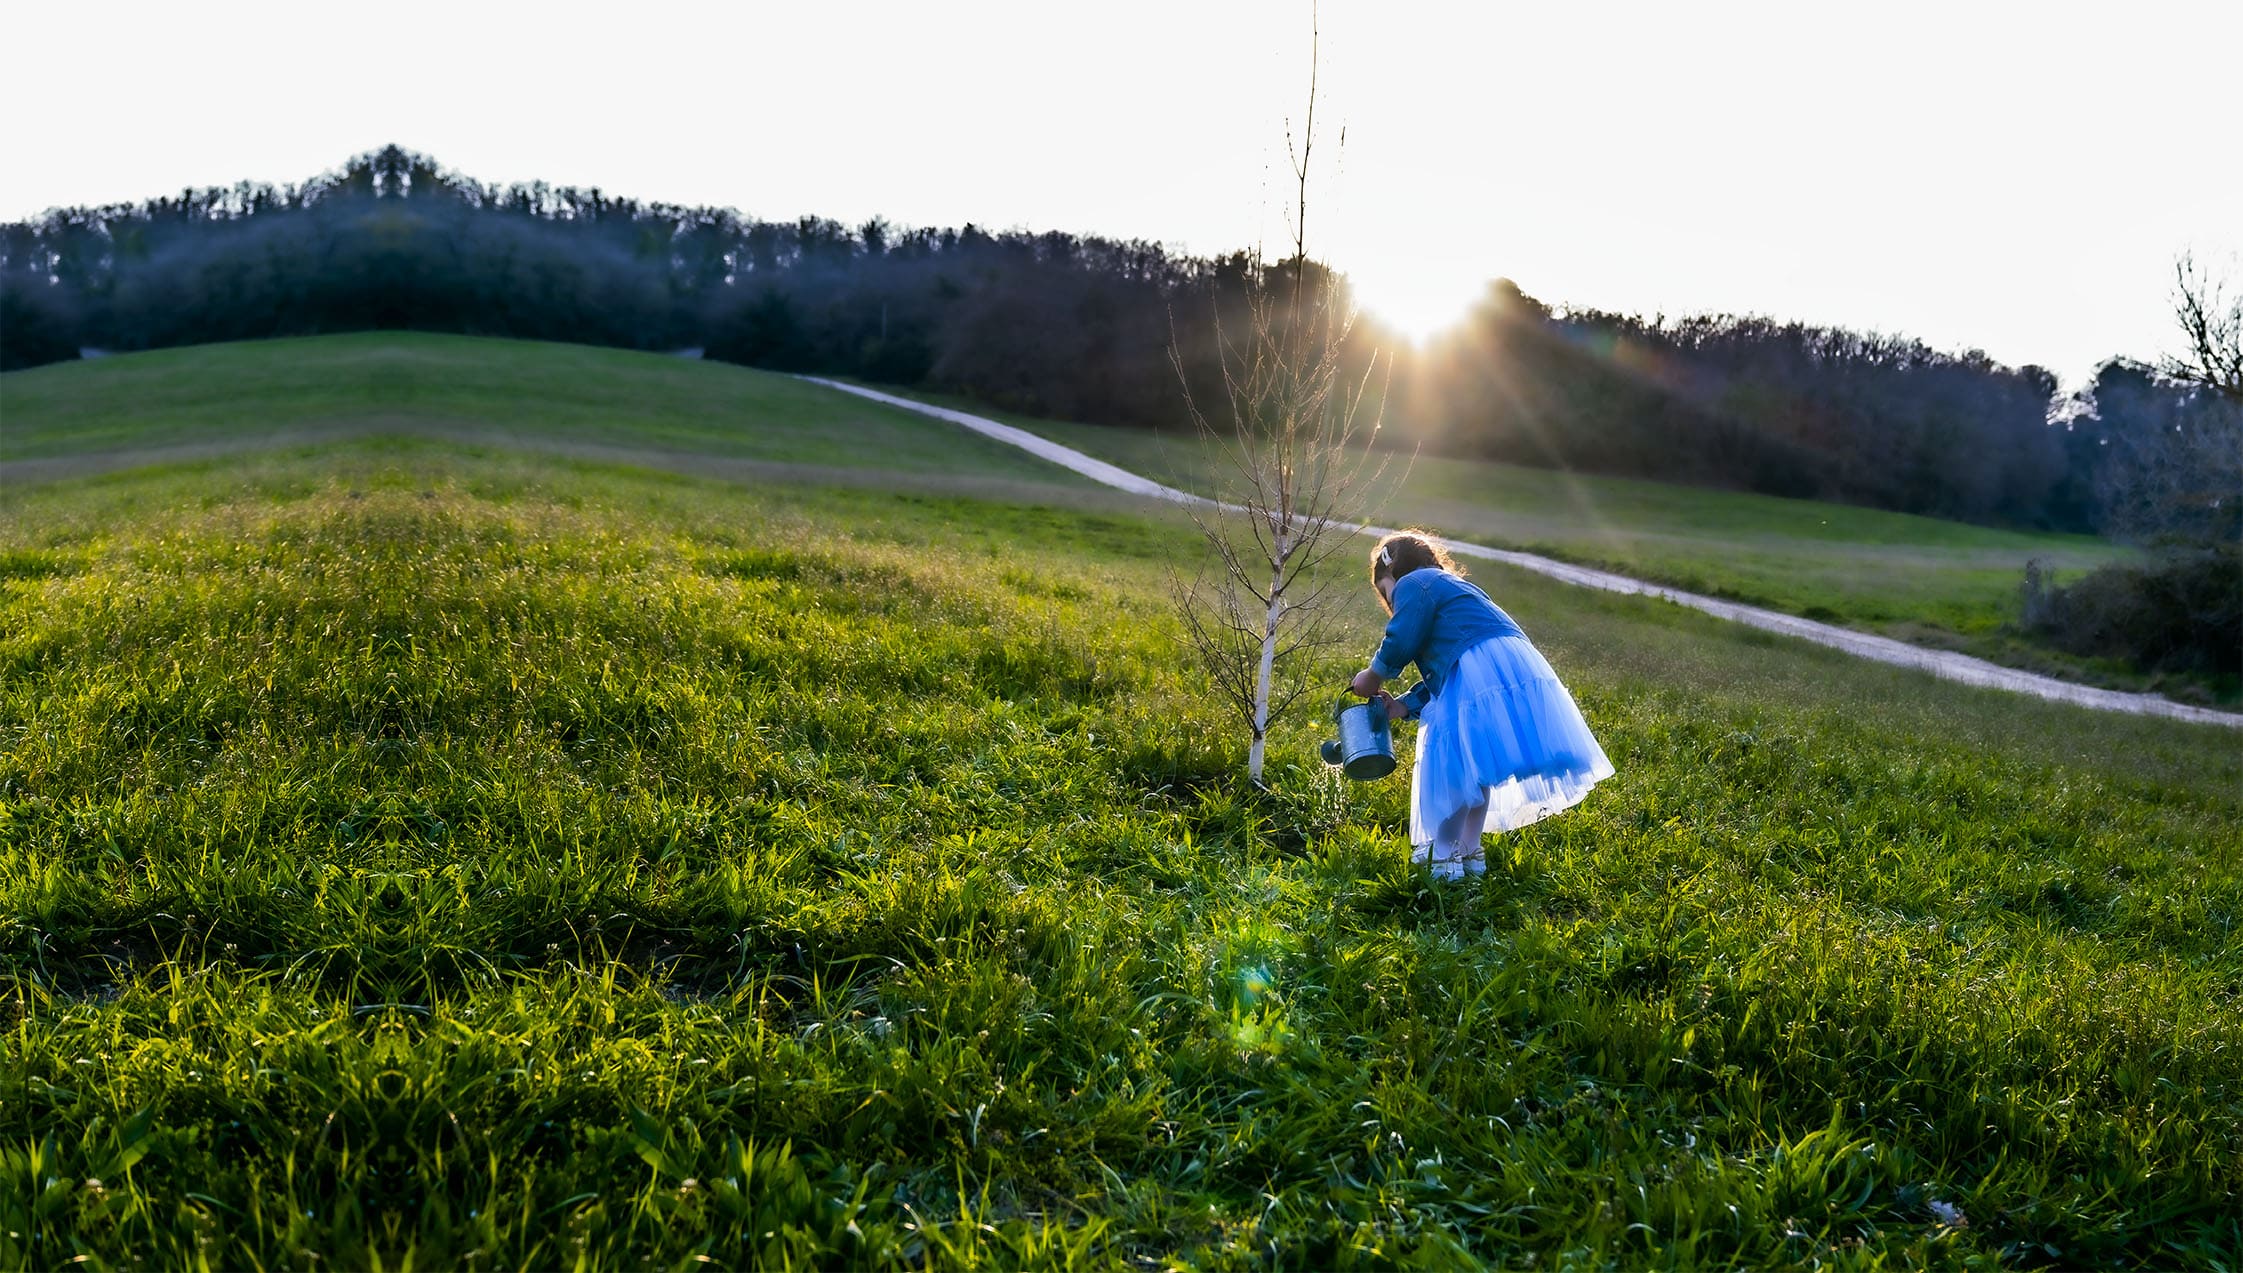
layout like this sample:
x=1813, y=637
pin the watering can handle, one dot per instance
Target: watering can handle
x=1348, y=700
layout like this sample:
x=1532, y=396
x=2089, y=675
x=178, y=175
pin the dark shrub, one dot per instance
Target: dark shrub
x=2179, y=611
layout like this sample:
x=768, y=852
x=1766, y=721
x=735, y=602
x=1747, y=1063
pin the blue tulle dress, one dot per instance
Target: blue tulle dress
x=1503, y=731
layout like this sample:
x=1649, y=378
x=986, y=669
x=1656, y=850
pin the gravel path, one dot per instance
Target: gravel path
x=1941, y=663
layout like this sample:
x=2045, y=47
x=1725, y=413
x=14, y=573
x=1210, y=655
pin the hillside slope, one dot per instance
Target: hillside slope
x=436, y=853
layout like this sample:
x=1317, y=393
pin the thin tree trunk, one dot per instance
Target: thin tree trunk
x=1263, y=673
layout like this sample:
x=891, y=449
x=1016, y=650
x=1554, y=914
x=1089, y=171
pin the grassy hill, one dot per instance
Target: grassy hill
x=596, y=403
x=1925, y=580
x=413, y=849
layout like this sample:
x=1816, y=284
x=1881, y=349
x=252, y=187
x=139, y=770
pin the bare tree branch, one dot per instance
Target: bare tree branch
x=2212, y=323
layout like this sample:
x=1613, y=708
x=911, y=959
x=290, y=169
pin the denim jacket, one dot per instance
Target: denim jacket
x=1437, y=617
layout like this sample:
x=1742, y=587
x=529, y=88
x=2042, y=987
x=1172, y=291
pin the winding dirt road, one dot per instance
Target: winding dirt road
x=1940, y=663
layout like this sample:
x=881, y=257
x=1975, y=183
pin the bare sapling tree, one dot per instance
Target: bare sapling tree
x=1297, y=466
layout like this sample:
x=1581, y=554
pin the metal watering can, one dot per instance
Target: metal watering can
x=1365, y=748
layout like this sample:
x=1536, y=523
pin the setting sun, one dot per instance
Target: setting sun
x=1411, y=299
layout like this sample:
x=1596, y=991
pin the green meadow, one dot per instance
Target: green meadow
x=575, y=400
x=430, y=841
x=1939, y=583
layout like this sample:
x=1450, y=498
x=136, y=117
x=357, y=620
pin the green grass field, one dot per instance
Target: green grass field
x=415, y=853
x=1933, y=582
x=605, y=403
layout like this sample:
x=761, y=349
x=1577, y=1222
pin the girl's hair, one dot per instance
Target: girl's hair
x=1404, y=551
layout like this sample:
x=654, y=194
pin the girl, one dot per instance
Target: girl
x=1502, y=744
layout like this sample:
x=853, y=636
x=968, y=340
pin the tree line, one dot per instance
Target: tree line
x=1078, y=327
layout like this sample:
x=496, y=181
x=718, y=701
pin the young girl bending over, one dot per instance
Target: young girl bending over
x=1501, y=744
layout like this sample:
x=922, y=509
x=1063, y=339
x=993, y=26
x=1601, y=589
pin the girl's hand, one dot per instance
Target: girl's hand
x=1366, y=682
x=1394, y=708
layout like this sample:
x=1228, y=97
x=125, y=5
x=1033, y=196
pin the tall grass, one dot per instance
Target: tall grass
x=414, y=858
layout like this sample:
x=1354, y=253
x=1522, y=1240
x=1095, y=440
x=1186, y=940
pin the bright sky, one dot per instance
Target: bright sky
x=2012, y=177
